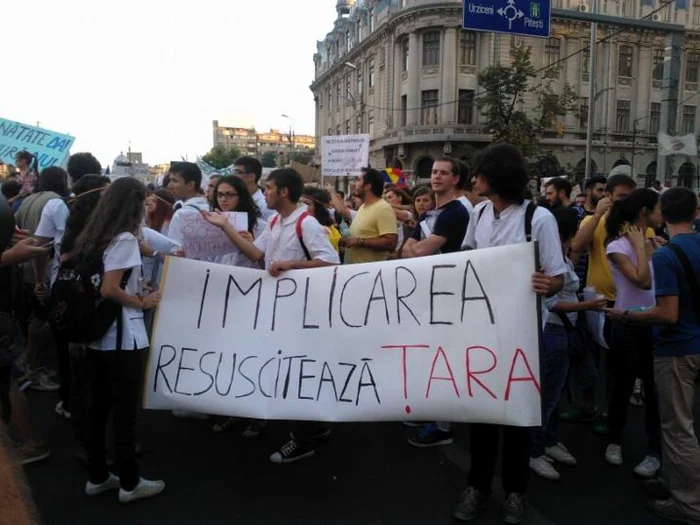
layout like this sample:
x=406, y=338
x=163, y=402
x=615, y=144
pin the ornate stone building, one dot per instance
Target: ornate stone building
x=406, y=73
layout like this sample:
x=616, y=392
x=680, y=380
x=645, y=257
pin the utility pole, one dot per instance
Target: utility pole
x=591, y=93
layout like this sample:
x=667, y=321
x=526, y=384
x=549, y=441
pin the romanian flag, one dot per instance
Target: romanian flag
x=394, y=176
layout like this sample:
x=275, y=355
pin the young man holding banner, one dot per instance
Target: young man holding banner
x=440, y=230
x=501, y=177
x=281, y=249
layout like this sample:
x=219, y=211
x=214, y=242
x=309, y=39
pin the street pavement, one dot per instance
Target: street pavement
x=367, y=474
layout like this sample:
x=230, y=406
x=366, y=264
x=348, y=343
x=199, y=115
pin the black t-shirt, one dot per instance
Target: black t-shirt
x=449, y=221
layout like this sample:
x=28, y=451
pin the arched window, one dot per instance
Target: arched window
x=424, y=168
x=650, y=174
x=621, y=162
x=686, y=175
x=580, y=170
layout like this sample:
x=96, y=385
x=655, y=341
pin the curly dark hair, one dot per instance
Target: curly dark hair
x=505, y=170
x=80, y=164
x=81, y=208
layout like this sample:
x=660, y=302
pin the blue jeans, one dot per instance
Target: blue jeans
x=554, y=369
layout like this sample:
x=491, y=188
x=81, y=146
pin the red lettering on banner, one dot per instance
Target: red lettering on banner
x=451, y=378
x=530, y=377
x=471, y=374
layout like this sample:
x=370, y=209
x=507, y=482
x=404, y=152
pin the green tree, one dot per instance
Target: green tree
x=506, y=88
x=269, y=159
x=303, y=157
x=221, y=157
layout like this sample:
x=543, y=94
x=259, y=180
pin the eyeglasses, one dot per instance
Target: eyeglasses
x=227, y=195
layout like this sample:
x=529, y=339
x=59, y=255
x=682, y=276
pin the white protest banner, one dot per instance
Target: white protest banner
x=680, y=145
x=344, y=155
x=451, y=337
x=201, y=239
x=50, y=148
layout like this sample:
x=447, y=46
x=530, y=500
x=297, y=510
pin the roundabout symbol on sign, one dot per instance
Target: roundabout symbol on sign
x=510, y=13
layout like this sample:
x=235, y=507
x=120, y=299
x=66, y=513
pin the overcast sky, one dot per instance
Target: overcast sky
x=157, y=72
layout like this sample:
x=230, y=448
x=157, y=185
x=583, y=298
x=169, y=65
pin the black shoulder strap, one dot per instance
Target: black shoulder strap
x=481, y=212
x=529, y=214
x=568, y=325
x=690, y=276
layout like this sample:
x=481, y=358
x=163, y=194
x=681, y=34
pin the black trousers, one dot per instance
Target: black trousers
x=80, y=384
x=114, y=387
x=514, y=443
x=631, y=356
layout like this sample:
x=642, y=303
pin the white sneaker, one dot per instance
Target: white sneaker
x=111, y=483
x=648, y=468
x=61, y=411
x=613, y=454
x=543, y=468
x=144, y=489
x=561, y=454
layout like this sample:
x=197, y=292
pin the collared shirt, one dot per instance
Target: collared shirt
x=52, y=225
x=123, y=253
x=281, y=243
x=259, y=199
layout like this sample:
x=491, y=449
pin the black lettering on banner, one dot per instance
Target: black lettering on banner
x=365, y=367
x=240, y=372
x=260, y=373
x=160, y=367
x=400, y=298
x=180, y=368
x=372, y=298
x=278, y=296
x=285, y=389
x=302, y=377
x=201, y=303
x=306, y=303
x=325, y=379
x=257, y=283
x=482, y=297
x=233, y=371
x=279, y=367
x=210, y=376
x=331, y=296
x=347, y=382
x=342, y=299
x=434, y=293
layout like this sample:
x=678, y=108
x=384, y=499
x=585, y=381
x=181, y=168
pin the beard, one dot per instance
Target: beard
x=594, y=200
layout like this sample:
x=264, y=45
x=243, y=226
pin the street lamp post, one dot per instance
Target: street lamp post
x=291, y=136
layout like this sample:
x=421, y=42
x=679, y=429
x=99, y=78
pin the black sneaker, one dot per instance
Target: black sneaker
x=514, y=508
x=431, y=436
x=292, y=451
x=470, y=504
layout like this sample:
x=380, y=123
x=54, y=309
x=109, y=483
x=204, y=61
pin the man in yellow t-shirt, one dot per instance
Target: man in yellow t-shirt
x=373, y=232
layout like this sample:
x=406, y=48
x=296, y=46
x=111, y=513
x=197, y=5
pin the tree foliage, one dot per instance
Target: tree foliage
x=269, y=159
x=508, y=87
x=303, y=157
x=221, y=157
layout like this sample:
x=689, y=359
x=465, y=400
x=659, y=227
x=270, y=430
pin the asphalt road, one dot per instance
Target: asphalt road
x=366, y=475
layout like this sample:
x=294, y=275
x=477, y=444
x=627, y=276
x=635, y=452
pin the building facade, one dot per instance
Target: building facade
x=243, y=139
x=406, y=73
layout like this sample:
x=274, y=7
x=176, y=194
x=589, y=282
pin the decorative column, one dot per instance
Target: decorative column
x=414, y=76
x=449, y=76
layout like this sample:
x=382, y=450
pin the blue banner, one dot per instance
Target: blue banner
x=50, y=148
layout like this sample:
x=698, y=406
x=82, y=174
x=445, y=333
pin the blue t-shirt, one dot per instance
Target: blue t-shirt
x=449, y=221
x=682, y=338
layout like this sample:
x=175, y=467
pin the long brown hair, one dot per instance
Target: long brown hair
x=164, y=210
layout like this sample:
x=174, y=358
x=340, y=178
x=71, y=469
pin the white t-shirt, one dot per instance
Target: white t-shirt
x=123, y=254
x=52, y=225
x=280, y=241
x=237, y=258
x=467, y=204
x=259, y=199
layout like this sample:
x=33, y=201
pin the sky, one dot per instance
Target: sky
x=155, y=73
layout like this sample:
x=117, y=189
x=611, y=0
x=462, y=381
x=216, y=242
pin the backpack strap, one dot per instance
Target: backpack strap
x=529, y=214
x=690, y=276
x=274, y=220
x=300, y=234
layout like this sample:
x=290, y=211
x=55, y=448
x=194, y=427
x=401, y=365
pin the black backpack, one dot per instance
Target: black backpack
x=78, y=313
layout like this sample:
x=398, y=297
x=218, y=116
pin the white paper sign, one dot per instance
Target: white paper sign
x=452, y=337
x=344, y=155
x=199, y=239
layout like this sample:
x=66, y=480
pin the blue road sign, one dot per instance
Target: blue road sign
x=519, y=17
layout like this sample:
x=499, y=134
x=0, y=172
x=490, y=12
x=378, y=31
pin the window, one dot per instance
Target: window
x=359, y=81
x=370, y=122
x=431, y=48
x=465, y=107
x=626, y=8
x=371, y=72
x=330, y=131
x=429, y=107
x=371, y=20
x=337, y=96
x=404, y=64
x=467, y=48
x=348, y=95
x=658, y=64
x=622, y=117
x=552, y=52
x=358, y=124
x=330, y=100
x=583, y=113
x=586, y=61
x=696, y=12
x=404, y=110
x=691, y=69
x=655, y=118
x=624, y=61
x=688, y=124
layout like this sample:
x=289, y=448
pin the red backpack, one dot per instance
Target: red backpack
x=300, y=236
